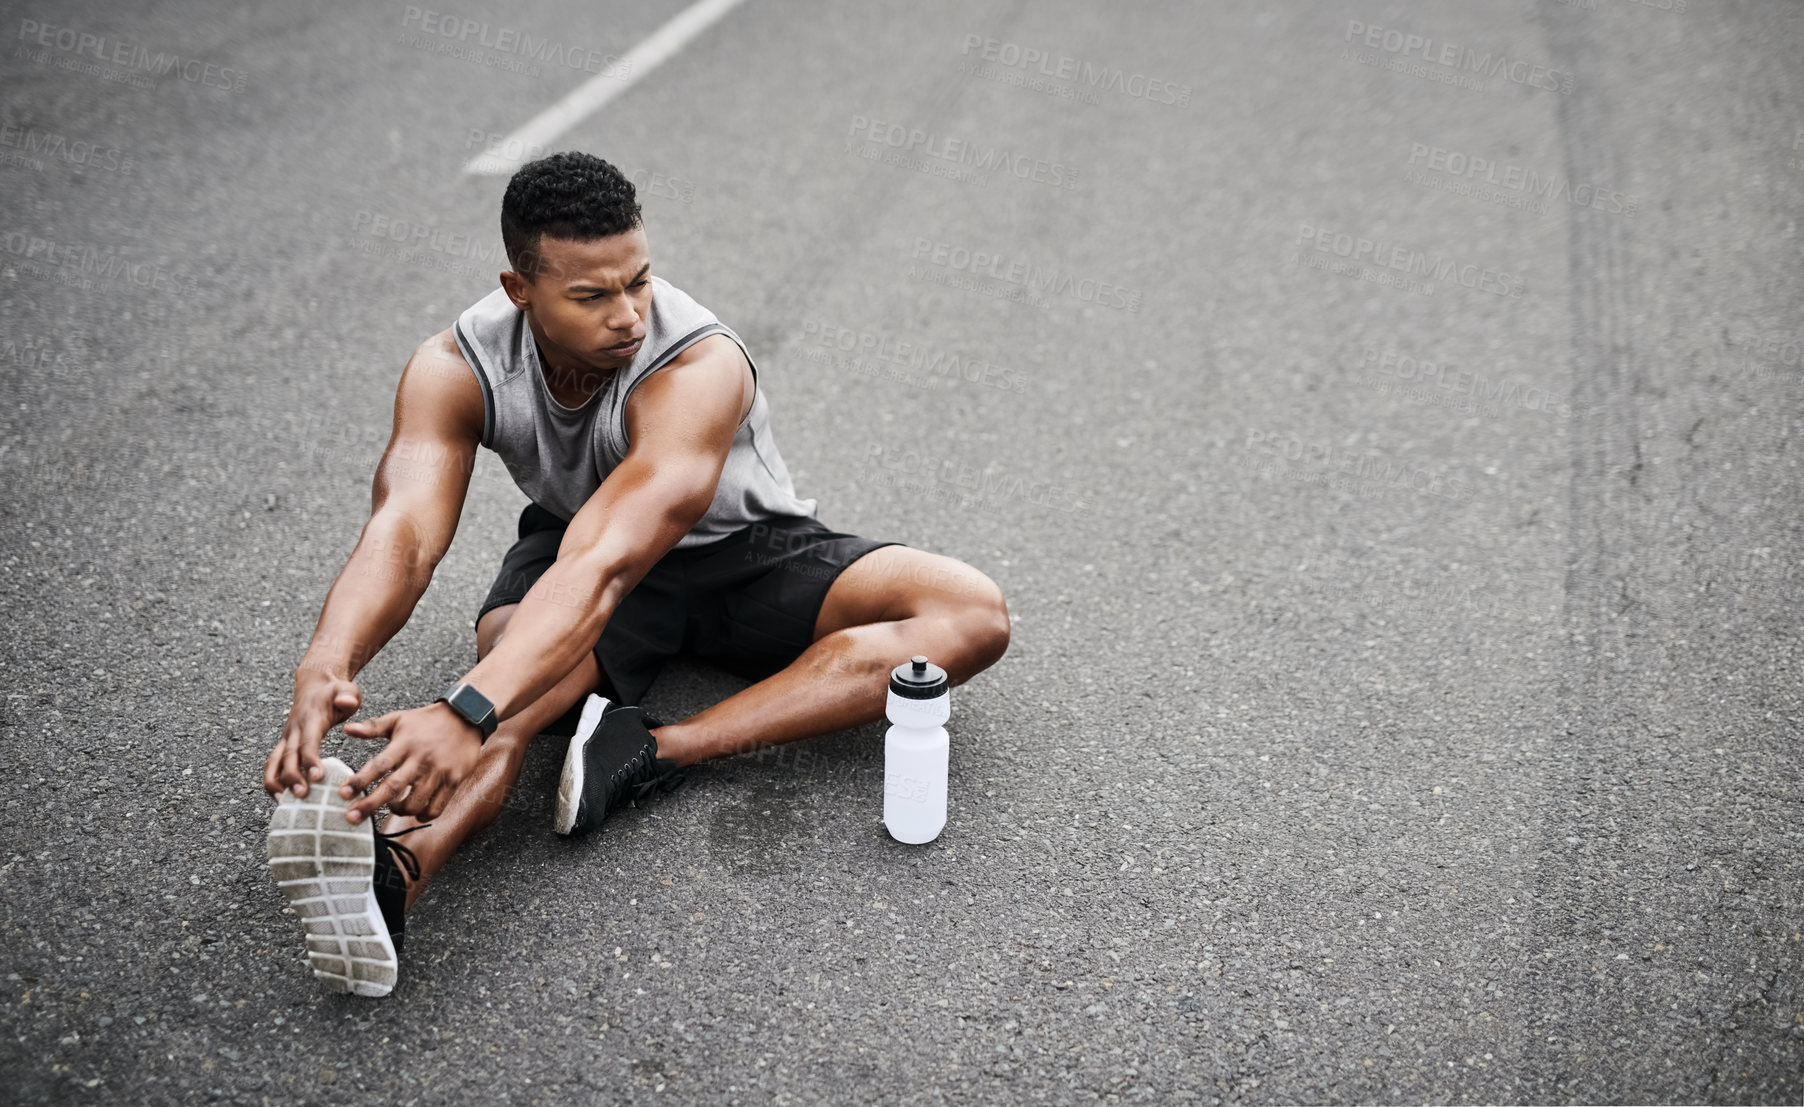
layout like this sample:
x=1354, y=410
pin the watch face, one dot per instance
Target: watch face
x=473, y=706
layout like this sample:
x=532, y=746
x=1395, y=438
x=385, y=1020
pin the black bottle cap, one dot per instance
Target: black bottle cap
x=918, y=679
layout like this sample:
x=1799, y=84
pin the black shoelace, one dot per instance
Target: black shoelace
x=399, y=855
x=626, y=781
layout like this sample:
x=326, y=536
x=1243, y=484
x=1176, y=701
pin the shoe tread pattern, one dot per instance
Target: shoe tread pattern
x=324, y=868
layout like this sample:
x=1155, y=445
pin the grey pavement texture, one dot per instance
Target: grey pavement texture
x=1404, y=689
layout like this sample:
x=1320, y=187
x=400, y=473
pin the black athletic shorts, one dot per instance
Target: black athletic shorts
x=746, y=602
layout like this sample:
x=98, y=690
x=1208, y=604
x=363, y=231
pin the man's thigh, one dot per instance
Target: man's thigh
x=899, y=582
x=540, y=535
x=752, y=600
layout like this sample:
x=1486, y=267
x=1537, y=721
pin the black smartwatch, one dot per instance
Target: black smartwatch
x=473, y=706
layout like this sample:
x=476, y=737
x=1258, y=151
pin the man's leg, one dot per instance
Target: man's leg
x=481, y=798
x=890, y=604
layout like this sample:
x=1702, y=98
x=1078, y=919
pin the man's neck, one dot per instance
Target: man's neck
x=573, y=388
x=570, y=385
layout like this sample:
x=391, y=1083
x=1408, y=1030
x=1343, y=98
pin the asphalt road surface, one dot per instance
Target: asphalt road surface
x=1385, y=428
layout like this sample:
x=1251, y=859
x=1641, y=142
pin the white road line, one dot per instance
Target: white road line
x=588, y=97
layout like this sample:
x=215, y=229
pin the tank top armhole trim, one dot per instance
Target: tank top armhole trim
x=482, y=378
x=670, y=354
x=753, y=365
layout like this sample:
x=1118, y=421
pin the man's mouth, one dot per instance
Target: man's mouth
x=624, y=348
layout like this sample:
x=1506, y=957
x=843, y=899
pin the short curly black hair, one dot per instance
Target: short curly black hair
x=569, y=195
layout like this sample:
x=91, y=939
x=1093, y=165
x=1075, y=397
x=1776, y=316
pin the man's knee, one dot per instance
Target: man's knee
x=980, y=614
x=986, y=625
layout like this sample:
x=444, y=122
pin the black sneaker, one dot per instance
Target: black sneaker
x=612, y=758
x=350, y=895
x=395, y=866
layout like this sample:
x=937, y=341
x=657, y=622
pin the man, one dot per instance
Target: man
x=663, y=519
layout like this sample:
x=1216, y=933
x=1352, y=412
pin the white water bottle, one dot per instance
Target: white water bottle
x=916, y=752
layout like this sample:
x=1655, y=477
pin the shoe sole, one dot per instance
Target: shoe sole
x=570, y=781
x=325, y=868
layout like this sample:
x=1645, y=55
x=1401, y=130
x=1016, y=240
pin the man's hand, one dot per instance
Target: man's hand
x=321, y=702
x=430, y=751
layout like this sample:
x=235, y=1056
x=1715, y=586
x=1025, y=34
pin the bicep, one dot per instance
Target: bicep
x=425, y=471
x=681, y=420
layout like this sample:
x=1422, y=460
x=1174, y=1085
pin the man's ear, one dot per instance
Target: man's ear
x=515, y=285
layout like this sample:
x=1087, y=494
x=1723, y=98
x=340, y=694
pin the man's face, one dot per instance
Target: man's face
x=588, y=301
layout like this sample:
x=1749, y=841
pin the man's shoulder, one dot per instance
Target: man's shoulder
x=495, y=305
x=674, y=303
x=487, y=332
x=439, y=354
x=438, y=376
x=711, y=367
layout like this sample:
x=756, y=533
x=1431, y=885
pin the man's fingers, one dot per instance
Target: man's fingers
x=309, y=758
x=291, y=771
x=271, y=766
x=442, y=791
x=418, y=800
x=306, y=757
x=389, y=792
x=380, y=727
x=403, y=804
x=347, y=700
x=386, y=759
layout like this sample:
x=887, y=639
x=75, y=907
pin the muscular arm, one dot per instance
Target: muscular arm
x=680, y=425
x=416, y=499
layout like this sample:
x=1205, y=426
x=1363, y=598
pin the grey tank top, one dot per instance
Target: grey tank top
x=559, y=455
